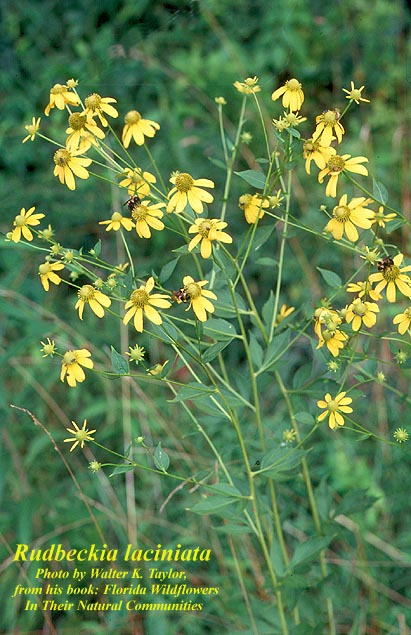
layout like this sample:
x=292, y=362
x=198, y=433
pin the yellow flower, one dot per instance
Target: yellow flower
x=22, y=224
x=188, y=190
x=80, y=435
x=60, y=96
x=116, y=222
x=253, y=206
x=381, y=218
x=197, y=297
x=327, y=124
x=403, y=320
x=137, y=128
x=325, y=317
x=97, y=106
x=146, y=216
x=87, y=294
x=361, y=312
x=208, y=230
x=338, y=164
x=248, y=86
x=220, y=101
x=334, y=408
x=284, y=312
x=32, y=129
x=392, y=277
x=362, y=289
x=49, y=348
x=71, y=366
x=67, y=164
x=281, y=124
x=142, y=303
x=348, y=215
x=47, y=233
x=276, y=199
x=293, y=119
x=47, y=273
x=354, y=94
x=401, y=435
x=333, y=339
x=315, y=151
x=81, y=133
x=292, y=93
x=289, y=436
x=137, y=181
x=157, y=369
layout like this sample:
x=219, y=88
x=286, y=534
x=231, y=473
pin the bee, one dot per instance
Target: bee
x=181, y=296
x=132, y=202
x=383, y=264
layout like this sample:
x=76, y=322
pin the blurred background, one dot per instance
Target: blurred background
x=169, y=60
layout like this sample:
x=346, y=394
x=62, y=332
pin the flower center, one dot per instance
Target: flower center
x=407, y=313
x=193, y=290
x=140, y=298
x=359, y=307
x=341, y=213
x=140, y=212
x=328, y=334
x=184, y=182
x=62, y=157
x=77, y=121
x=20, y=220
x=330, y=117
x=391, y=273
x=355, y=94
x=332, y=406
x=132, y=117
x=86, y=293
x=335, y=164
x=93, y=101
x=44, y=268
x=204, y=228
x=58, y=89
x=293, y=84
x=81, y=435
x=69, y=358
x=116, y=217
x=245, y=200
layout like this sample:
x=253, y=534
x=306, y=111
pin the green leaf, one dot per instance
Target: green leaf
x=167, y=270
x=219, y=329
x=277, y=463
x=304, y=418
x=256, y=351
x=119, y=364
x=267, y=262
x=380, y=191
x=331, y=278
x=121, y=469
x=218, y=163
x=161, y=459
x=96, y=249
x=293, y=133
x=226, y=495
x=254, y=178
x=355, y=501
x=214, y=350
x=191, y=391
x=261, y=236
x=276, y=348
x=308, y=550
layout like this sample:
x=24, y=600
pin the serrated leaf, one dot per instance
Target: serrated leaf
x=261, y=236
x=380, y=191
x=167, y=271
x=161, y=458
x=308, y=550
x=331, y=278
x=214, y=350
x=119, y=364
x=304, y=418
x=256, y=351
x=219, y=329
x=355, y=501
x=254, y=178
x=121, y=469
x=191, y=391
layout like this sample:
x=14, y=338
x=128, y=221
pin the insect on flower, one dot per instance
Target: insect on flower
x=132, y=202
x=383, y=264
x=181, y=296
